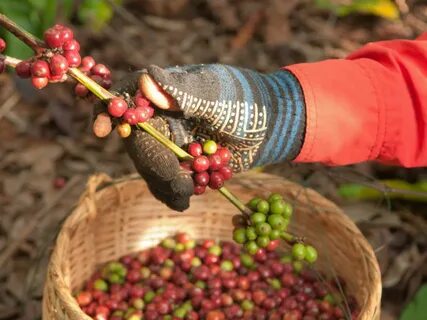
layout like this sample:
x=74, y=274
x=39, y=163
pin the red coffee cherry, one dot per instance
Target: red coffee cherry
x=58, y=65
x=117, y=107
x=40, y=68
x=23, y=69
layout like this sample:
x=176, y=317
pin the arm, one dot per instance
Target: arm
x=370, y=106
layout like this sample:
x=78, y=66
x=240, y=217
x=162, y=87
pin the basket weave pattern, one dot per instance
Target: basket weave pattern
x=123, y=217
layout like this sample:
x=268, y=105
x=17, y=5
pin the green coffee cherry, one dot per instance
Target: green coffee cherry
x=297, y=265
x=149, y=296
x=275, y=283
x=287, y=213
x=168, y=243
x=263, y=229
x=100, y=285
x=239, y=235
x=209, y=147
x=258, y=217
x=277, y=222
x=227, y=265
x=298, y=251
x=263, y=206
x=247, y=305
x=251, y=233
x=247, y=260
x=310, y=254
x=274, y=234
x=274, y=196
x=263, y=241
x=253, y=203
x=215, y=250
x=251, y=247
x=277, y=207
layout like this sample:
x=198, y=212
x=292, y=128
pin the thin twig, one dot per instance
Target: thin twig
x=9, y=61
x=36, y=44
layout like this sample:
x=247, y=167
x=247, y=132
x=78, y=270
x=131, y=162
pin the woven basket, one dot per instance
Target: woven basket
x=115, y=218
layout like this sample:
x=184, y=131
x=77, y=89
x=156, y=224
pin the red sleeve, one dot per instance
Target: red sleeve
x=370, y=106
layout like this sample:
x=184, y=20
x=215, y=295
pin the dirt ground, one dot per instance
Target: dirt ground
x=47, y=150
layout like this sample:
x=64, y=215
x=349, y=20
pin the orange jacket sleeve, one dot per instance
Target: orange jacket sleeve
x=370, y=106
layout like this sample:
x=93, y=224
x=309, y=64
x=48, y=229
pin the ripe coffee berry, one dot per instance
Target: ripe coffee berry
x=100, y=70
x=216, y=180
x=58, y=65
x=195, y=149
x=130, y=116
x=226, y=173
x=80, y=90
x=53, y=37
x=201, y=178
x=88, y=62
x=117, y=107
x=39, y=82
x=40, y=68
x=198, y=190
x=23, y=69
x=71, y=45
x=215, y=162
x=143, y=113
x=73, y=58
x=200, y=164
x=2, y=45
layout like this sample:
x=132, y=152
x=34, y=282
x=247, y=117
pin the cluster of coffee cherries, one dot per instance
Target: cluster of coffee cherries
x=2, y=48
x=209, y=166
x=98, y=72
x=130, y=111
x=268, y=223
x=62, y=52
x=182, y=279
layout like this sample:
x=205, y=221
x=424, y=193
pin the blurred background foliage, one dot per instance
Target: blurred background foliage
x=37, y=15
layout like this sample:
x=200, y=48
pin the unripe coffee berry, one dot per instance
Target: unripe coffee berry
x=210, y=147
x=124, y=130
x=298, y=251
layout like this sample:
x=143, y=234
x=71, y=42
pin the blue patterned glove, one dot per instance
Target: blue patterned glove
x=259, y=117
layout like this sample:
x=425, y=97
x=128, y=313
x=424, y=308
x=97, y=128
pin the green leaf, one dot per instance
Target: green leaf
x=382, y=8
x=18, y=12
x=404, y=190
x=417, y=308
x=95, y=13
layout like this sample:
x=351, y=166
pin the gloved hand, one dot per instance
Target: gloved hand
x=259, y=117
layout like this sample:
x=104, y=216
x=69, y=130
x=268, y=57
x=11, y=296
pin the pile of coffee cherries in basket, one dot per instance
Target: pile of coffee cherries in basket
x=182, y=279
